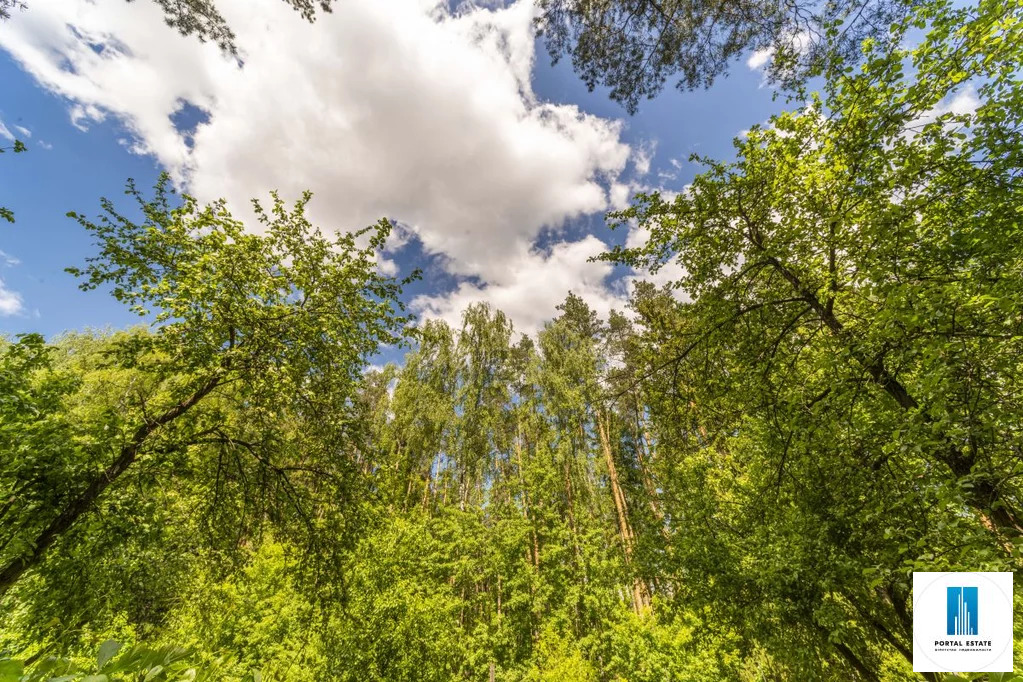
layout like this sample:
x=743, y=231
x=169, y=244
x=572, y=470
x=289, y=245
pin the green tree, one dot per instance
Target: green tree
x=836, y=398
x=889, y=229
x=249, y=328
x=634, y=46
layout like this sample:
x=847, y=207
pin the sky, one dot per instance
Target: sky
x=497, y=166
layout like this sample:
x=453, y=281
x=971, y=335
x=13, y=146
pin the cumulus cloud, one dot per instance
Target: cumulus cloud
x=401, y=109
x=10, y=301
x=397, y=109
x=533, y=285
x=760, y=58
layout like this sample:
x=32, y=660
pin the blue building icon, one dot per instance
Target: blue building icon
x=961, y=611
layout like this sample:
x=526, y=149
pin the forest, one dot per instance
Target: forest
x=733, y=477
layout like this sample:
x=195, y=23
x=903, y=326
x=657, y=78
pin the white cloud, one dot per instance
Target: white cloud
x=5, y=133
x=963, y=103
x=620, y=194
x=796, y=42
x=399, y=109
x=10, y=301
x=386, y=266
x=24, y=131
x=760, y=58
x=532, y=286
x=642, y=157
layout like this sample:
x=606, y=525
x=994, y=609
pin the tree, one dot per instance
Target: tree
x=837, y=396
x=258, y=346
x=634, y=46
x=885, y=226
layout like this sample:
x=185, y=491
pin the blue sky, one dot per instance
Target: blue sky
x=91, y=129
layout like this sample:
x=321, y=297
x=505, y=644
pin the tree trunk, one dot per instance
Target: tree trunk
x=640, y=594
x=855, y=661
x=525, y=496
x=644, y=453
x=426, y=487
x=570, y=509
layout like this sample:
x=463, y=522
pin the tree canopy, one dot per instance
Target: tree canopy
x=633, y=47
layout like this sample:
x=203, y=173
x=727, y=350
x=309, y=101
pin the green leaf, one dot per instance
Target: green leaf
x=106, y=651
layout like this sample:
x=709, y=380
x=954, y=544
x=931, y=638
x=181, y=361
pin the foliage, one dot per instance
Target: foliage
x=844, y=372
x=634, y=46
x=244, y=388
x=114, y=662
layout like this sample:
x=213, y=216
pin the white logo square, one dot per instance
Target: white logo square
x=962, y=622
